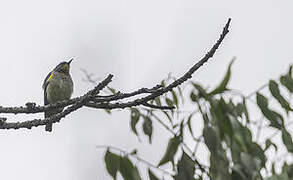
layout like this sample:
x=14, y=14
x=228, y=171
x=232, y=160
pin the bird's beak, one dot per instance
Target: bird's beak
x=69, y=61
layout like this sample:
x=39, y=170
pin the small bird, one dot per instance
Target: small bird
x=58, y=86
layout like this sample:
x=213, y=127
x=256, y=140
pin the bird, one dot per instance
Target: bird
x=57, y=86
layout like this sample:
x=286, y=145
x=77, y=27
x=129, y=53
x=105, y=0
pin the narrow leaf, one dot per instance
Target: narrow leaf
x=275, y=118
x=169, y=101
x=128, y=170
x=112, y=162
x=269, y=143
x=287, y=80
x=148, y=127
x=170, y=151
x=211, y=139
x=275, y=91
x=185, y=168
x=223, y=85
x=152, y=175
x=287, y=140
x=174, y=96
x=189, y=124
x=135, y=115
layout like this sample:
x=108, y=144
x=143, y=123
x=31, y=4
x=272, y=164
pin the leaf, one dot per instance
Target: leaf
x=112, y=162
x=175, y=99
x=288, y=169
x=113, y=91
x=152, y=175
x=180, y=92
x=170, y=151
x=135, y=115
x=275, y=119
x=189, y=124
x=128, y=170
x=282, y=176
x=148, y=127
x=185, y=168
x=168, y=116
x=287, y=80
x=256, y=151
x=237, y=172
x=133, y=152
x=211, y=139
x=193, y=97
x=201, y=91
x=108, y=111
x=275, y=91
x=158, y=101
x=169, y=101
x=245, y=110
x=269, y=143
x=251, y=164
x=287, y=140
x=181, y=128
x=220, y=113
x=223, y=85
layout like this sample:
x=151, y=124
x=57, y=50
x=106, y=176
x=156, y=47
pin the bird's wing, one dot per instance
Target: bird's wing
x=45, y=84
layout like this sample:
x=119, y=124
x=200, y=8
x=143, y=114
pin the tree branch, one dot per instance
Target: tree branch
x=93, y=100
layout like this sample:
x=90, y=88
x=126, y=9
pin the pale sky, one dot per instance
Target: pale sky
x=139, y=42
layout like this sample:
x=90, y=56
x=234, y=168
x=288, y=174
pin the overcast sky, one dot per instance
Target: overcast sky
x=139, y=42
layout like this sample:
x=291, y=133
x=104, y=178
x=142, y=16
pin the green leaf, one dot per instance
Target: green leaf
x=275, y=118
x=108, y=111
x=152, y=175
x=269, y=143
x=288, y=169
x=175, y=99
x=185, y=168
x=128, y=170
x=256, y=151
x=211, y=139
x=113, y=91
x=112, y=162
x=169, y=101
x=287, y=80
x=251, y=164
x=170, y=151
x=193, y=97
x=158, y=101
x=201, y=91
x=287, y=140
x=275, y=91
x=135, y=115
x=181, y=128
x=168, y=116
x=220, y=113
x=245, y=110
x=282, y=176
x=133, y=152
x=180, y=92
x=237, y=172
x=163, y=83
x=223, y=85
x=189, y=124
x=148, y=127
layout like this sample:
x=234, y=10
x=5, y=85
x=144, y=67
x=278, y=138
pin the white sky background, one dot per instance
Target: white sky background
x=139, y=42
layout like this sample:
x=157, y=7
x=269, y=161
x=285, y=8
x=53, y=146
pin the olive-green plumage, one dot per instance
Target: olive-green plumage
x=58, y=86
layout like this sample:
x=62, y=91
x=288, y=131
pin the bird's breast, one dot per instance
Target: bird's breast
x=59, y=89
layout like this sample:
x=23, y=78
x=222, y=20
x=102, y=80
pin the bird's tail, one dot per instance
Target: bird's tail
x=49, y=114
x=49, y=127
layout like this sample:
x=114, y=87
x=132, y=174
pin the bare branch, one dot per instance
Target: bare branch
x=56, y=118
x=93, y=100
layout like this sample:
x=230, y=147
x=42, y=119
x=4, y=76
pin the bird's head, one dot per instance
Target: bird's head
x=63, y=67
